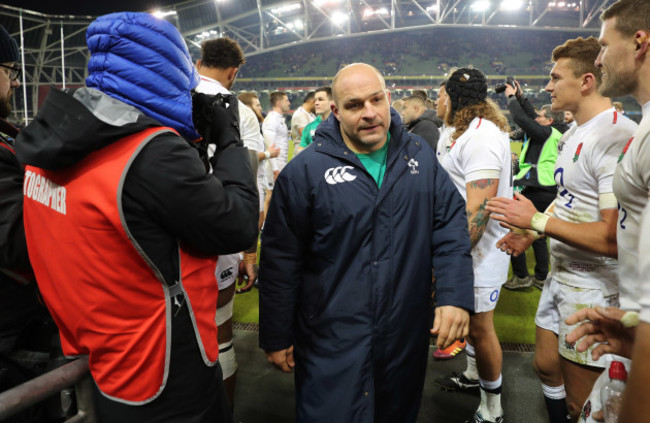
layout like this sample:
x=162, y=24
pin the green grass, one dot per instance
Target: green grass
x=513, y=319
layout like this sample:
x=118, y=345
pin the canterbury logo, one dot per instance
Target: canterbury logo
x=337, y=175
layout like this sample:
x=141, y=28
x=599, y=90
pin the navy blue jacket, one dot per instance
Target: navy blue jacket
x=346, y=274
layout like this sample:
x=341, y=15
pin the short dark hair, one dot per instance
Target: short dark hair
x=421, y=93
x=222, y=53
x=309, y=97
x=583, y=53
x=550, y=114
x=415, y=98
x=276, y=96
x=632, y=16
x=326, y=90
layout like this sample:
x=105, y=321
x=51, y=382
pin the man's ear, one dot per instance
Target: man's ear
x=232, y=73
x=588, y=81
x=198, y=63
x=641, y=39
x=334, y=110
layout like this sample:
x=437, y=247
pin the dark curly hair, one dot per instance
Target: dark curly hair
x=222, y=53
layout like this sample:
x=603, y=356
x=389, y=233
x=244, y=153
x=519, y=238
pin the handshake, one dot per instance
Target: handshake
x=216, y=118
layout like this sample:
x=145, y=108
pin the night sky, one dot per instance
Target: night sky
x=88, y=7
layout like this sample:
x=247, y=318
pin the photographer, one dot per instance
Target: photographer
x=542, y=131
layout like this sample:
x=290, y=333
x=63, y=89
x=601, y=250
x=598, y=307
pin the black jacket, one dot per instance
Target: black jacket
x=19, y=302
x=168, y=195
x=426, y=126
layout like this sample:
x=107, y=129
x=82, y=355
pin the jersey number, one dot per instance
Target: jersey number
x=563, y=191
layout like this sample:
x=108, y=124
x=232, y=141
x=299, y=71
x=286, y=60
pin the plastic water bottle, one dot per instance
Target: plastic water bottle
x=611, y=395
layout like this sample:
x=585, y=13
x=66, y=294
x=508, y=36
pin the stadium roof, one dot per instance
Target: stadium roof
x=55, y=49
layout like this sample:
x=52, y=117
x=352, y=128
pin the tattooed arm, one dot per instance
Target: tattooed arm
x=478, y=194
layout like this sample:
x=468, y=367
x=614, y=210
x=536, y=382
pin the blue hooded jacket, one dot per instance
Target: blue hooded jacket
x=132, y=63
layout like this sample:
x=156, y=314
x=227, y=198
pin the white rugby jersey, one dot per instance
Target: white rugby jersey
x=631, y=186
x=586, y=160
x=444, y=142
x=483, y=147
x=644, y=266
x=300, y=119
x=275, y=132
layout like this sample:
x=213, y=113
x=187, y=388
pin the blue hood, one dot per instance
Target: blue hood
x=143, y=61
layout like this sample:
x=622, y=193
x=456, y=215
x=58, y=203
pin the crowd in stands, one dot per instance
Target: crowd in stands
x=416, y=52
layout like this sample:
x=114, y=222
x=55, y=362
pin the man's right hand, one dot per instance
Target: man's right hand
x=274, y=150
x=282, y=359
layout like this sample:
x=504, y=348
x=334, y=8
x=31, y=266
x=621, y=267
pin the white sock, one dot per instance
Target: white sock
x=490, y=406
x=491, y=385
x=554, y=392
x=471, y=372
x=469, y=349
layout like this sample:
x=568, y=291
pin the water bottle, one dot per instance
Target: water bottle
x=611, y=395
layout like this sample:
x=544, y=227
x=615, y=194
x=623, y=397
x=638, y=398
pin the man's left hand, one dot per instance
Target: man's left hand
x=518, y=212
x=510, y=90
x=247, y=277
x=450, y=323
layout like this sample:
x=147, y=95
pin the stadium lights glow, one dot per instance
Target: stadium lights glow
x=511, y=5
x=207, y=34
x=432, y=8
x=368, y=12
x=297, y=25
x=286, y=8
x=327, y=2
x=339, y=18
x=562, y=5
x=481, y=5
x=161, y=15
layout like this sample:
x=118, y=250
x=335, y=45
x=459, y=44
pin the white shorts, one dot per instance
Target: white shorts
x=486, y=298
x=593, y=402
x=557, y=303
x=227, y=270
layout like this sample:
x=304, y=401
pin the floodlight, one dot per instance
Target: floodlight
x=286, y=8
x=327, y=2
x=161, y=15
x=511, y=5
x=432, y=8
x=339, y=17
x=481, y=5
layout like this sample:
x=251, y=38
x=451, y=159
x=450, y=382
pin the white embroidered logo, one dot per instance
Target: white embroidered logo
x=337, y=175
x=413, y=164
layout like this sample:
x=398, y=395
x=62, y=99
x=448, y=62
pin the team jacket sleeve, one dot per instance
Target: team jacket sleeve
x=452, y=257
x=284, y=242
x=13, y=246
x=209, y=213
x=534, y=130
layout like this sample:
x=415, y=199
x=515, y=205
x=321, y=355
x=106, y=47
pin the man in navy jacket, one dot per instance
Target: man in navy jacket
x=354, y=229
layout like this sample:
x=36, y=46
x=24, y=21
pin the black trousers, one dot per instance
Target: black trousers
x=541, y=198
x=194, y=392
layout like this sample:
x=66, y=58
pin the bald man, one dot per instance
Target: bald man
x=355, y=226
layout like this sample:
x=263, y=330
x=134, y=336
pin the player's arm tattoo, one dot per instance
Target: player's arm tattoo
x=478, y=220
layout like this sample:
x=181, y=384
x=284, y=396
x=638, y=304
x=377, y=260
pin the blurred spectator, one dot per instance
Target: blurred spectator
x=303, y=116
x=420, y=121
x=322, y=105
